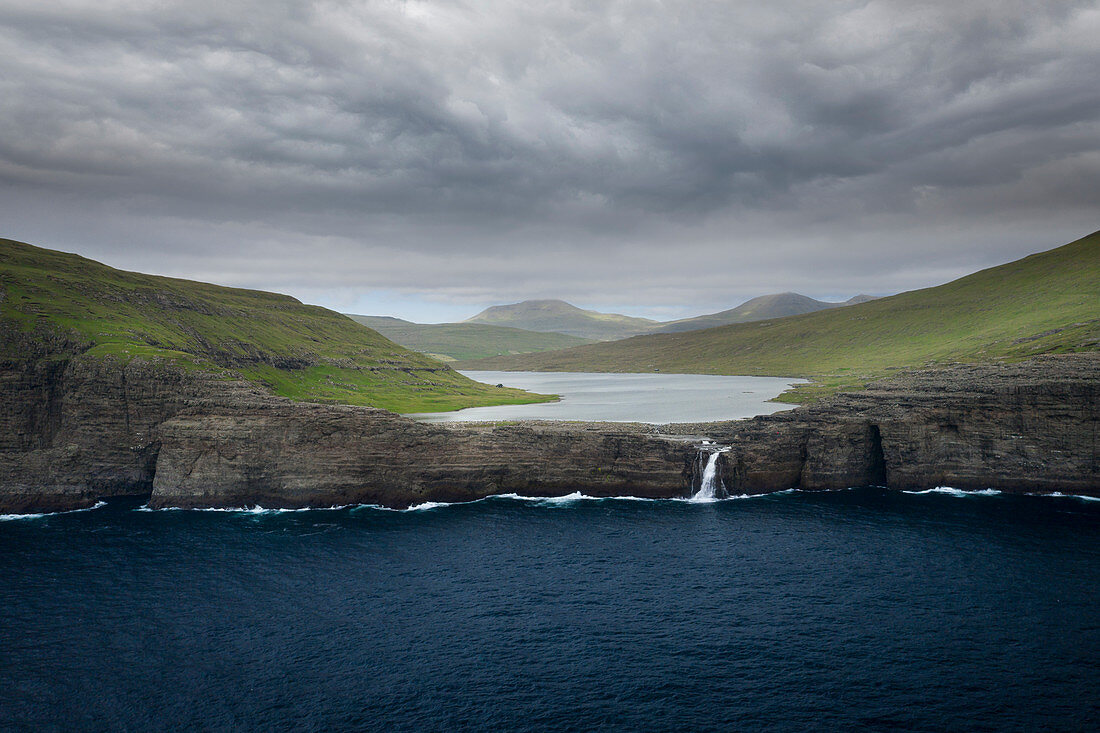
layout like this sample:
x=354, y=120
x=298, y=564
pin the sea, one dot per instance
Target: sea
x=863, y=609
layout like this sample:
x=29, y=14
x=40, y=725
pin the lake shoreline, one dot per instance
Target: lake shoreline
x=631, y=398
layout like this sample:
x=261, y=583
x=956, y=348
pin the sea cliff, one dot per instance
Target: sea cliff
x=77, y=429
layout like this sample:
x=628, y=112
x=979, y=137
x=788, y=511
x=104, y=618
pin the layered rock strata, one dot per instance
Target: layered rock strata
x=1027, y=427
x=283, y=454
x=84, y=429
x=74, y=431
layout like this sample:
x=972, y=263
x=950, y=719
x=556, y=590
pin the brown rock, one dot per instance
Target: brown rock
x=78, y=430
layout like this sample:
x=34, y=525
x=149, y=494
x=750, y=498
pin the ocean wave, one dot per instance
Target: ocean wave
x=11, y=517
x=1060, y=495
x=957, y=492
x=543, y=501
x=737, y=497
x=257, y=509
x=573, y=498
x=430, y=505
x=949, y=491
x=577, y=496
x=538, y=501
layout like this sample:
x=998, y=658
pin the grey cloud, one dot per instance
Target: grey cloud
x=494, y=150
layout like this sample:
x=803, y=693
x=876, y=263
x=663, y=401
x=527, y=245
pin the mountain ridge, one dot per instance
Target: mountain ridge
x=455, y=341
x=559, y=316
x=760, y=308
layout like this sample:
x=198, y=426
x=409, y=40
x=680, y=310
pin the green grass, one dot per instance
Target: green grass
x=456, y=341
x=65, y=304
x=1046, y=303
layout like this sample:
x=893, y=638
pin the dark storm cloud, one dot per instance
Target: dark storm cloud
x=486, y=151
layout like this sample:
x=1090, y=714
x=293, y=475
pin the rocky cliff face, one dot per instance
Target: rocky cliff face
x=290, y=455
x=1027, y=427
x=82, y=429
x=77, y=430
x=74, y=430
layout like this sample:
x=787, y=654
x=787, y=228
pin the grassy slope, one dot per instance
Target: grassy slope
x=764, y=307
x=466, y=340
x=1045, y=303
x=300, y=351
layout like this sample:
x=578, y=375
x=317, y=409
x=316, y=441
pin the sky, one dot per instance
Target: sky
x=661, y=159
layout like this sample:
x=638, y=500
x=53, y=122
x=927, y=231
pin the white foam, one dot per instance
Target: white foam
x=427, y=505
x=9, y=517
x=568, y=498
x=551, y=501
x=1060, y=495
x=732, y=497
x=546, y=501
x=554, y=500
x=957, y=492
x=257, y=509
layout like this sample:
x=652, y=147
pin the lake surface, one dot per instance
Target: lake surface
x=861, y=609
x=653, y=398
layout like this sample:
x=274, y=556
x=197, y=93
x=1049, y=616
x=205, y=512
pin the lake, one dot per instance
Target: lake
x=651, y=398
x=862, y=609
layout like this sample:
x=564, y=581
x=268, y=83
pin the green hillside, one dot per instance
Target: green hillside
x=300, y=351
x=561, y=317
x=778, y=305
x=453, y=341
x=1045, y=303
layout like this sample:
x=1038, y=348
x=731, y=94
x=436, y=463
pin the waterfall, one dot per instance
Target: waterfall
x=711, y=486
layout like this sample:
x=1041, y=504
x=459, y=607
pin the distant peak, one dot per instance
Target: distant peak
x=558, y=316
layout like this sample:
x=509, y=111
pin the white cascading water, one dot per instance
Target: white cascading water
x=711, y=484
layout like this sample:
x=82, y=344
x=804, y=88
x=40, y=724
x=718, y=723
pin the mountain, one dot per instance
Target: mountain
x=1045, y=303
x=561, y=317
x=452, y=341
x=378, y=323
x=761, y=308
x=558, y=316
x=64, y=305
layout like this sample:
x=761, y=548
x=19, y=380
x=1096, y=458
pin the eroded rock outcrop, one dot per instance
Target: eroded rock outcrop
x=1028, y=427
x=73, y=431
x=77, y=429
x=279, y=453
x=82, y=429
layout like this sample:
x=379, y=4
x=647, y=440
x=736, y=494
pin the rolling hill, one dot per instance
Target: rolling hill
x=778, y=305
x=1045, y=303
x=65, y=305
x=560, y=317
x=454, y=341
x=557, y=316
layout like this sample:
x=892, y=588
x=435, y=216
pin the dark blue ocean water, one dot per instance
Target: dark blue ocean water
x=856, y=609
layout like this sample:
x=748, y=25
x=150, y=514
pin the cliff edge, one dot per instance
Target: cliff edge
x=80, y=430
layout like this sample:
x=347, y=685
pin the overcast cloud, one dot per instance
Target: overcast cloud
x=426, y=159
